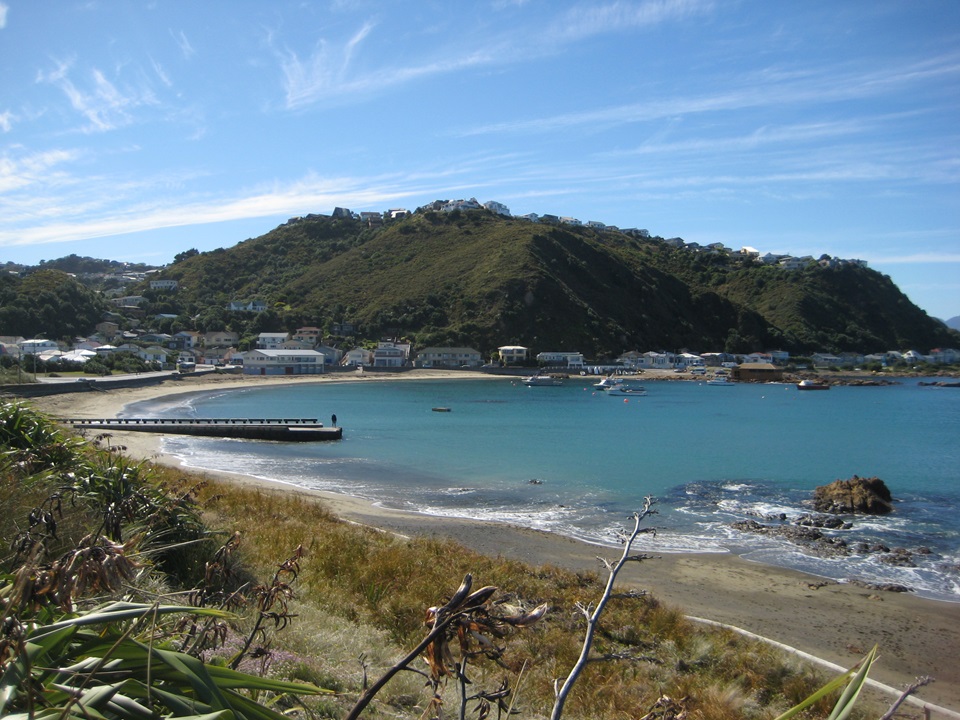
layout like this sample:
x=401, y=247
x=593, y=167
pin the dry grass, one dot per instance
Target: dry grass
x=362, y=592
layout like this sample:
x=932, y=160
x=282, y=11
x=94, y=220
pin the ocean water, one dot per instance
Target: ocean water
x=576, y=461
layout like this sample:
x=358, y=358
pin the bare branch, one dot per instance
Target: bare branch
x=594, y=619
x=920, y=682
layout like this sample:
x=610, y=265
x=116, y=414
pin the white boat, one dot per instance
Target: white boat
x=613, y=381
x=542, y=381
x=624, y=389
x=812, y=385
x=722, y=380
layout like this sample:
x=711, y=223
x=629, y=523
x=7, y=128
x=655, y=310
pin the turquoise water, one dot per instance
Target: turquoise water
x=576, y=461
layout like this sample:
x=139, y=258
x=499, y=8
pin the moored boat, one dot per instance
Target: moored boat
x=623, y=389
x=812, y=385
x=722, y=381
x=542, y=381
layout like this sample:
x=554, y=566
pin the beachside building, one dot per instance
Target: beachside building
x=513, y=354
x=448, y=357
x=282, y=362
x=562, y=359
x=358, y=357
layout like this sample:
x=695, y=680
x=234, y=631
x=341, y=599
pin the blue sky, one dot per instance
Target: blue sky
x=136, y=130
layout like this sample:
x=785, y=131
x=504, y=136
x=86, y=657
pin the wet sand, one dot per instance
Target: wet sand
x=837, y=623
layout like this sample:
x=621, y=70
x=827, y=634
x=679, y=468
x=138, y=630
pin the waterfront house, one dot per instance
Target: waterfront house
x=282, y=362
x=448, y=357
x=513, y=354
x=758, y=372
x=391, y=355
x=561, y=359
x=358, y=357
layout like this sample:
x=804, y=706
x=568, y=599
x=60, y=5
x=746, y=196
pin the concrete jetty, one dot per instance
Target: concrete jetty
x=280, y=429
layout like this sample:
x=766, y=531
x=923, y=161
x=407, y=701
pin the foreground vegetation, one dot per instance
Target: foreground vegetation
x=133, y=591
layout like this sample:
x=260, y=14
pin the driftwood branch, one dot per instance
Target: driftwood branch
x=920, y=682
x=593, y=617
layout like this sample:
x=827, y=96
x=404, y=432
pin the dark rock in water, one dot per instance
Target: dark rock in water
x=887, y=587
x=869, y=496
x=810, y=538
x=831, y=522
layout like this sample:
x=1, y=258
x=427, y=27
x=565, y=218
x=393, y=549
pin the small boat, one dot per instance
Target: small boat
x=542, y=381
x=633, y=390
x=812, y=385
x=722, y=380
x=441, y=409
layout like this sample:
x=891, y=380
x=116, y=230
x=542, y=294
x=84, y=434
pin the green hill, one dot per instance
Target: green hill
x=475, y=278
x=50, y=303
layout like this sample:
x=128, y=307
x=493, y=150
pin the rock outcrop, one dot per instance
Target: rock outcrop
x=869, y=496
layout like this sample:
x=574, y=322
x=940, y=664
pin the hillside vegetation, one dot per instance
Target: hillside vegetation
x=49, y=303
x=478, y=279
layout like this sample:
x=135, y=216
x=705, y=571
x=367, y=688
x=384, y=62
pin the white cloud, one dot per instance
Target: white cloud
x=6, y=121
x=186, y=49
x=3, y=15
x=104, y=105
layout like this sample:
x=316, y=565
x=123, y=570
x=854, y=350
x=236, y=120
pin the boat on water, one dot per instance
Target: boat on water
x=542, y=381
x=812, y=385
x=612, y=381
x=721, y=380
x=631, y=390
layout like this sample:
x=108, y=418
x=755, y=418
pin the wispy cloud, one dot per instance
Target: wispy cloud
x=82, y=215
x=593, y=19
x=923, y=258
x=327, y=74
x=186, y=49
x=6, y=121
x=4, y=8
x=771, y=87
x=103, y=104
x=35, y=169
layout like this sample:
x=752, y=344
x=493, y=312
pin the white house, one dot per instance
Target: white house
x=282, y=362
x=657, y=360
x=512, y=354
x=567, y=359
x=163, y=284
x=448, y=357
x=37, y=346
x=270, y=341
x=497, y=207
x=390, y=354
x=152, y=354
x=358, y=357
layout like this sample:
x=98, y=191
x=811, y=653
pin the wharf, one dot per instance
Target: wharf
x=282, y=429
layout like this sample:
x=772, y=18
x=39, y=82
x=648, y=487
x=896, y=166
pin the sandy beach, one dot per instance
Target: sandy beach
x=835, y=622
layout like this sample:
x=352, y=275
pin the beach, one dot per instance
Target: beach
x=835, y=622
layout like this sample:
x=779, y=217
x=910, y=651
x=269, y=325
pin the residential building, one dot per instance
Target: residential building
x=164, y=284
x=220, y=338
x=108, y=330
x=358, y=357
x=151, y=354
x=270, y=341
x=389, y=354
x=308, y=334
x=331, y=355
x=449, y=357
x=342, y=329
x=36, y=346
x=513, y=354
x=563, y=359
x=256, y=306
x=282, y=362
x=497, y=207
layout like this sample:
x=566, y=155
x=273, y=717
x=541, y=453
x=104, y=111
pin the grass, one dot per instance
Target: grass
x=355, y=602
